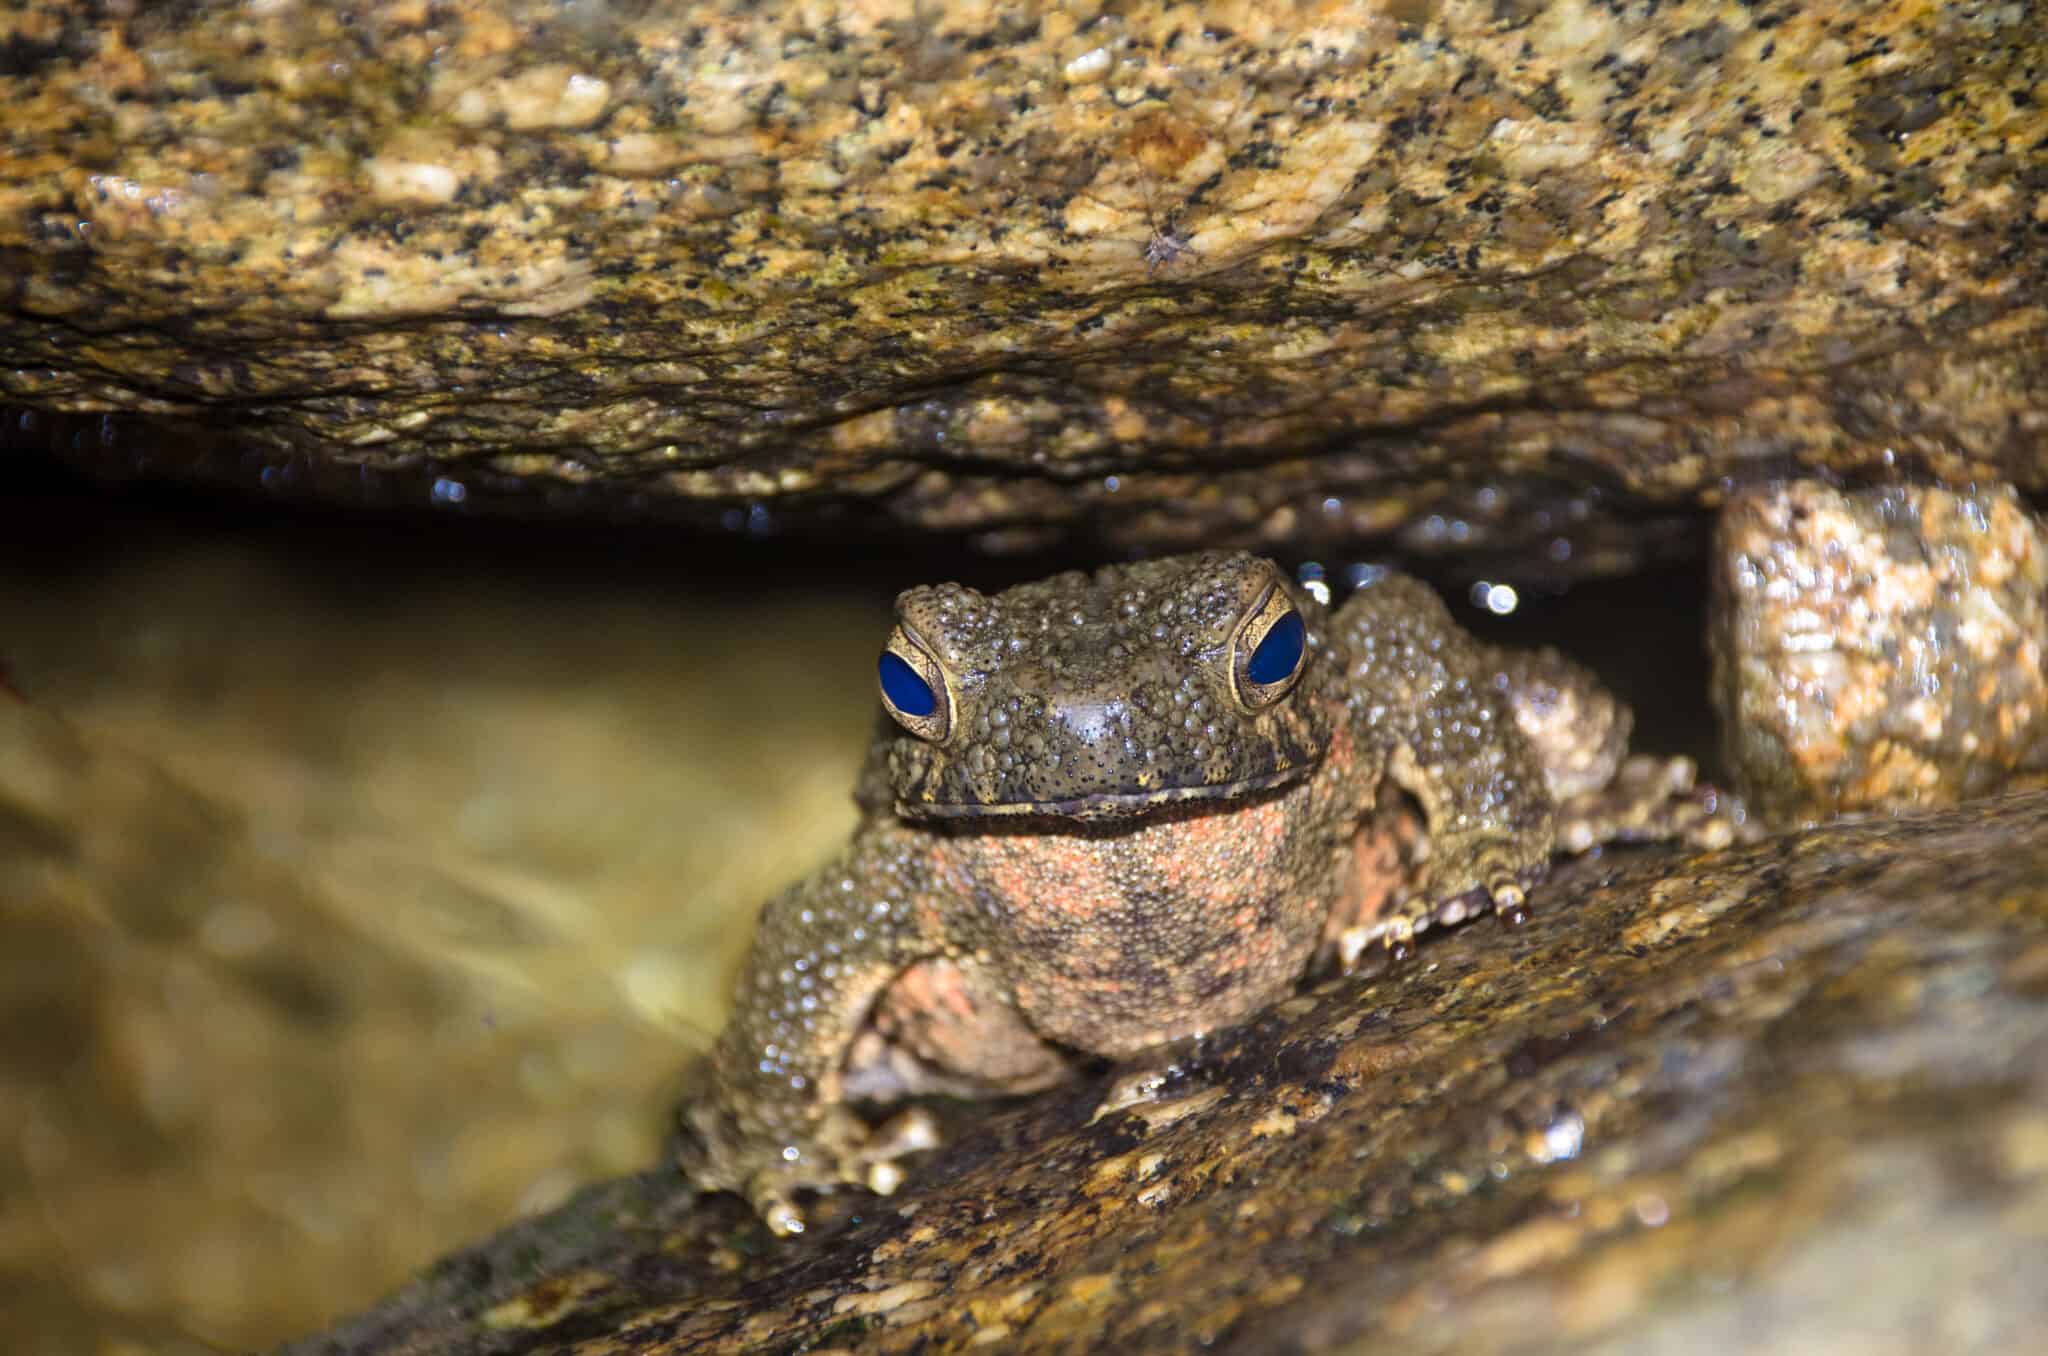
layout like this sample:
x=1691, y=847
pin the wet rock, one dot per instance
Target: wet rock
x=1466, y=275
x=1879, y=650
x=1795, y=1087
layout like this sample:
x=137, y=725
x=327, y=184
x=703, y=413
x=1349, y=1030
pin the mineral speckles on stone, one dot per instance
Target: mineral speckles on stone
x=982, y=270
x=426, y=169
x=1879, y=650
x=541, y=97
x=1090, y=66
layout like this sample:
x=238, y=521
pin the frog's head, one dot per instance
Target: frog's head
x=1106, y=695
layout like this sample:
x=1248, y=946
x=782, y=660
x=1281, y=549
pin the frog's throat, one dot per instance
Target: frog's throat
x=1119, y=805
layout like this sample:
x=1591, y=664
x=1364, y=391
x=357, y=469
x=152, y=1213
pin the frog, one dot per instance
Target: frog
x=1109, y=812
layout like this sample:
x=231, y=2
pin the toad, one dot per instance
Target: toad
x=1110, y=811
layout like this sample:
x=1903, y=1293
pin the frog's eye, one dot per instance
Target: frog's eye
x=1269, y=650
x=914, y=687
x=1278, y=657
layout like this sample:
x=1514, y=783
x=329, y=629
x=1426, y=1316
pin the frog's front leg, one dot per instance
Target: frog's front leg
x=1422, y=698
x=769, y=1117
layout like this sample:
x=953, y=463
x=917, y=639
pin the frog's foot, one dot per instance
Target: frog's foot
x=769, y=1169
x=1468, y=876
x=1496, y=873
x=910, y=1131
x=1137, y=1087
x=1653, y=800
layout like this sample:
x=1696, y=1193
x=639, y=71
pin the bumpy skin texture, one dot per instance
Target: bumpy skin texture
x=1107, y=835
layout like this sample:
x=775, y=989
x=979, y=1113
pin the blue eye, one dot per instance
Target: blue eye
x=1279, y=654
x=903, y=689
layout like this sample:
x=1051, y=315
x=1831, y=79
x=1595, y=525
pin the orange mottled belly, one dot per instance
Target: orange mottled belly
x=1113, y=938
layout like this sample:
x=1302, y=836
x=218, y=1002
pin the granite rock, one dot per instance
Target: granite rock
x=1537, y=279
x=1880, y=650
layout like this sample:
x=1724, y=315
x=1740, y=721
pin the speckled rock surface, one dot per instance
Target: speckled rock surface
x=1472, y=273
x=1879, y=650
x=1793, y=1089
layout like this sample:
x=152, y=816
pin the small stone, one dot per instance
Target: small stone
x=1879, y=650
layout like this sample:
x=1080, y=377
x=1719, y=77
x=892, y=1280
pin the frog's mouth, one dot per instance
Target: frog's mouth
x=1107, y=805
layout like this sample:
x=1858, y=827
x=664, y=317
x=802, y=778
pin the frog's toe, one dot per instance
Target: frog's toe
x=769, y=1164
x=1393, y=936
x=1505, y=892
x=768, y=1182
x=1136, y=1088
x=1504, y=889
x=907, y=1132
x=777, y=1210
x=1471, y=877
x=845, y=1153
x=1352, y=944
